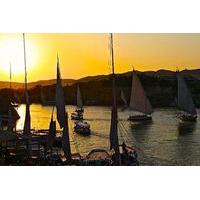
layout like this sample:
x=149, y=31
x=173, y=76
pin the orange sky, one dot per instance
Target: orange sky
x=87, y=54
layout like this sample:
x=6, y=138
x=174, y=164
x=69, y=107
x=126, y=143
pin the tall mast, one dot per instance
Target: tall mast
x=27, y=122
x=10, y=76
x=62, y=115
x=113, y=70
x=9, y=109
x=114, y=141
x=25, y=68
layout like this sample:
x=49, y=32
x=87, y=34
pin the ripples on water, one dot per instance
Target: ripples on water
x=164, y=141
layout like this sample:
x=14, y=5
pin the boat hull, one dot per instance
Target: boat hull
x=73, y=117
x=188, y=118
x=140, y=118
x=82, y=131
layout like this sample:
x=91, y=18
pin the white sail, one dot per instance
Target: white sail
x=123, y=97
x=185, y=101
x=139, y=100
x=79, y=98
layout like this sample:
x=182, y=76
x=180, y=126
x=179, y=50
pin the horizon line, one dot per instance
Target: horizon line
x=106, y=74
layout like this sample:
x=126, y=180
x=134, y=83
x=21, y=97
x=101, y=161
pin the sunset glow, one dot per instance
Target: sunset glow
x=87, y=54
x=11, y=51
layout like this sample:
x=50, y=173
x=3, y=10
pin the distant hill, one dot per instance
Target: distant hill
x=160, y=73
x=160, y=87
x=17, y=85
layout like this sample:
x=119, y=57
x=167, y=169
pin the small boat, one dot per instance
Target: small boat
x=82, y=127
x=185, y=101
x=128, y=156
x=139, y=101
x=140, y=117
x=78, y=113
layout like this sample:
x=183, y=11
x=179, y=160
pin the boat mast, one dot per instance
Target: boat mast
x=10, y=76
x=114, y=141
x=27, y=116
x=9, y=109
x=27, y=122
x=25, y=68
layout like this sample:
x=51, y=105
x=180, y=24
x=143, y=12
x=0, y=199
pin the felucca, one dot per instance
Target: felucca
x=120, y=154
x=139, y=101
x=78, y=114
x=62, y=116
x=185, y=101
x=80, y=126
x=27, y=122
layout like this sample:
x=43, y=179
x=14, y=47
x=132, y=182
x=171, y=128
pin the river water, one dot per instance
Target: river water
x=164, y=141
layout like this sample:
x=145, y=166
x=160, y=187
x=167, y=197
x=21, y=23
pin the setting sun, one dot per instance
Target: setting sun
x=11, y=51
x=87, y=54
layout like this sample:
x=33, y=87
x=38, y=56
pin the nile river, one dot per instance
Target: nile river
x=164, y=141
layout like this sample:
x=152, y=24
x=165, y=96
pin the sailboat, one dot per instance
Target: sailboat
x=8, y=113
x=78, y=114
x=80, y=126
x=62, y=116
x=139, y=101
x=185, y=101
x=27, y=123
x=120, y=154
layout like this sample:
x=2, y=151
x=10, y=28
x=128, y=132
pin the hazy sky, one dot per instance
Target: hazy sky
x=88, y=54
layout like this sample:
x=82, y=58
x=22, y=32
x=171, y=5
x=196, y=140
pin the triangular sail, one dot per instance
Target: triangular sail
x=185, y=101
x=114, y=141
x=52, y=131
x=79, y=98
x=62, y=116
x=139, y=100
x=27, y=122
